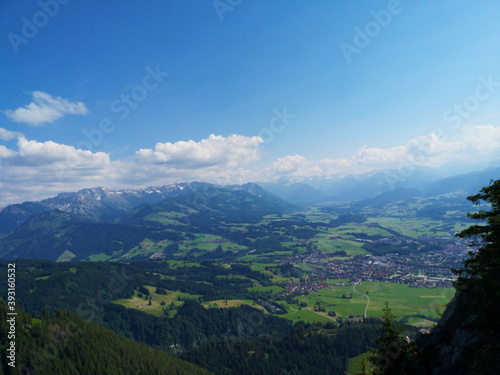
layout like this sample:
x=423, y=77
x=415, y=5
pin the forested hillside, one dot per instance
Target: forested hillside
x=65, y=343
x=306, y=350
x=60, y=235
x=233, y=340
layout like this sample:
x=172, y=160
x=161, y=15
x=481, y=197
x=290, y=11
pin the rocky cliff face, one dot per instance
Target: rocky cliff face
x=450, y=347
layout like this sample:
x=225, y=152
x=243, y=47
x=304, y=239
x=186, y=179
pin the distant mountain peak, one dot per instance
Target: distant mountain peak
x=103, y=204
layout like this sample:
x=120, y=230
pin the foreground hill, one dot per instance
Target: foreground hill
x=226, y=340
x=88, y=288
x=67, y=344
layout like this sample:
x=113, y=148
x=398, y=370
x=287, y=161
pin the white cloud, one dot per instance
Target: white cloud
x=481, y=138
x=375, y=156
x=31, y=153
x=472, y=144
x=45, y=108
x=234, y=150
x=214, y=159
x=7, y=135
x=40, y=169
x=5, y=152
x=35, y=170
x=289, y=163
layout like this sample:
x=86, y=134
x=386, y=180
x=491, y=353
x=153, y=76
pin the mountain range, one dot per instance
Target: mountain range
x=357, y=187
x=104, y=205
x=101, y=204
x=105, y=224
x=100, y=224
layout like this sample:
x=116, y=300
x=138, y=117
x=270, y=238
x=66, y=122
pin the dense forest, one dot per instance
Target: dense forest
x=197, y=334
x=65, y=343
x=89, y=288
x=306, y=349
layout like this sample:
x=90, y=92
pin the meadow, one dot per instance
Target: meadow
x=402, y=299
x=156, y=299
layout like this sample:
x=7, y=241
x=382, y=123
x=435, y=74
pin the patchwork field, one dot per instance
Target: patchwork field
x=221, y=303
x=334, y=244
x=156, y=299
x=306, y=316
x=402, y=300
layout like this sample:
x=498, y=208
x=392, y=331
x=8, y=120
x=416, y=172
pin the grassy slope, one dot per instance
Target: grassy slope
x=155, y=308
x=402, y=299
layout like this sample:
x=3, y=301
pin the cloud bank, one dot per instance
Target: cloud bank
x=39, y=169
x=472, y=144
x=34, y=170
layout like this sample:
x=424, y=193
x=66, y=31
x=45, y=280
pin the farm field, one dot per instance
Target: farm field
x=181, y=263
x=415, y=227
x=334, y=244
x=208, y=242
x=420, y=323
x=155, y=308
x=221, y=303
x=402, y=300
x=305, y=315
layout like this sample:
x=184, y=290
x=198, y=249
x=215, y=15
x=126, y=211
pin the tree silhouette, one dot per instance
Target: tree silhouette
x=479, y=279
x=395, y=354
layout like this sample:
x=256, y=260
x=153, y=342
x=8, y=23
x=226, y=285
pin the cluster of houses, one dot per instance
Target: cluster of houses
x=304, y=286
x=430, y=269
x=272, y=307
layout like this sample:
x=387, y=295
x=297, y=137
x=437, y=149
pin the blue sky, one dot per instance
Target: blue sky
x=128, y=93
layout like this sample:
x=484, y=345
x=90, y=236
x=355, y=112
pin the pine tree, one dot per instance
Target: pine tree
x=364, y=368
x=482, y=268
x=395, y=354
x=479, y=279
